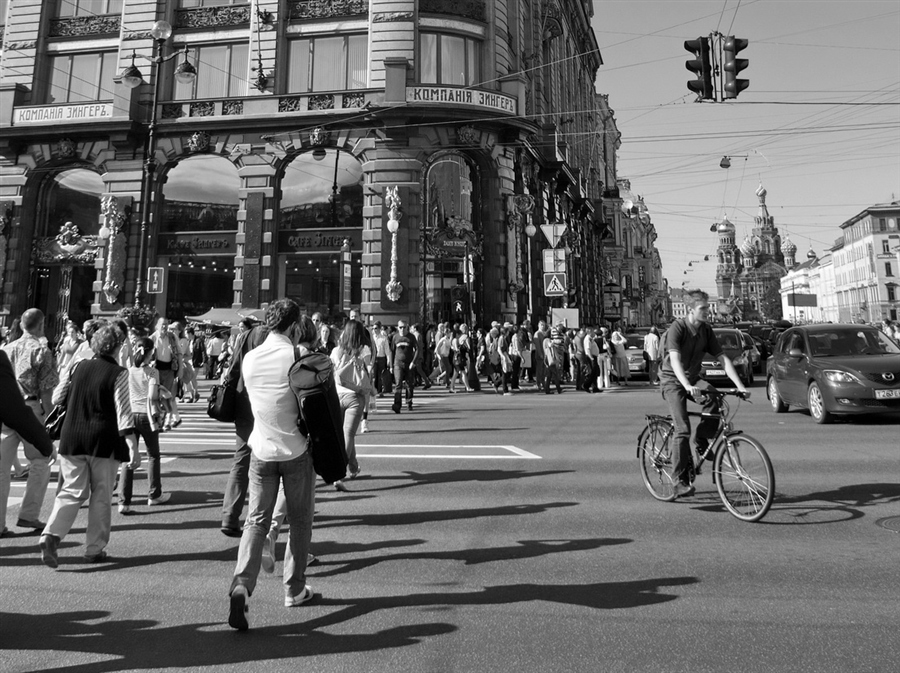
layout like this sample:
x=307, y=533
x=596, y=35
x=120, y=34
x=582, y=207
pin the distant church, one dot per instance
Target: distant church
x=748, y=277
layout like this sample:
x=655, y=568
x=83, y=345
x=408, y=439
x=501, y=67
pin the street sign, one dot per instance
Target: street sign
x=555, y=284
x=554, y=260
x=155, y=280
x=554, y=232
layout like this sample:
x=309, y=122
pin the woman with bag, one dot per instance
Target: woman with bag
x=352, y=360
x=143, y=387
x=462, y=349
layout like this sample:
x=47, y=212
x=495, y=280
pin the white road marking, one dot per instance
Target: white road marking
x=514, y=450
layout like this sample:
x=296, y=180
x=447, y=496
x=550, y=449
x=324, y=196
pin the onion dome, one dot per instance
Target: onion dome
x=725, y=227
x=788, y=247
x=747, y=246
x=811, y=254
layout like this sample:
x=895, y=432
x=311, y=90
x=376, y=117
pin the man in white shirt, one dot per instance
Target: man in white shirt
x=279, y=456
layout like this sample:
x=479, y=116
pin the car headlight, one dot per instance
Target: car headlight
x=838, y=376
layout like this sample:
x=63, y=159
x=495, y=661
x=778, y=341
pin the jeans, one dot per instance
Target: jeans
x=676, y=397
x=126, y=475
x=382, y=376
x=299, y=481
x=238, y=478
x=516, y=372
x=539, y=370
x=38, y=474
x=353, y=405
x=403, y=377
x=552, y=375
x=84, y=475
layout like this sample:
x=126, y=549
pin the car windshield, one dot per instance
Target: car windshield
x=730, y=340
x=851, y=342
x=634, y=341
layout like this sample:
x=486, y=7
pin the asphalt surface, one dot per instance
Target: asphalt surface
x=492, y=533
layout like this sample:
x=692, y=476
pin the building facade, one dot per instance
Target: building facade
x=808, y=290
x=390, y=155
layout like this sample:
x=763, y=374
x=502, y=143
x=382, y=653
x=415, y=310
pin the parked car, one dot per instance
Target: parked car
x=634, y=351
x=834, y=369
x=755, y=355
x=733, y=345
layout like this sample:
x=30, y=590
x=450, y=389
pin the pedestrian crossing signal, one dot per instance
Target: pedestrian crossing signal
x=555, y=284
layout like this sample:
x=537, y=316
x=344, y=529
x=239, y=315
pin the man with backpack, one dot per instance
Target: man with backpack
x=279, y=457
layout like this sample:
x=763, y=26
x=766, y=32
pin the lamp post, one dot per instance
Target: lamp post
x=132, y=78
x=393, y=287
x=530, y=231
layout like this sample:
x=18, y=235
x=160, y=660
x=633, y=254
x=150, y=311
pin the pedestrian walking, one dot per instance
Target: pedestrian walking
x=405, y=349
x=279, y=457
x=620, y=361
x=352, y=359
x=651, y=355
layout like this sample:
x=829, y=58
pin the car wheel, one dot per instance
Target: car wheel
x=817, y=405
x=778, y=405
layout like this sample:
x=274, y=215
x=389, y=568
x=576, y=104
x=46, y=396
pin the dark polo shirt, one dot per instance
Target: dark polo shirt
x=693, y=343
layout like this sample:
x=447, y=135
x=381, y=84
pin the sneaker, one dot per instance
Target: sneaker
x=683, y=490
x=507, y=394
x=124, y=509
x=231, y=532
x=339, y=486
x=99, y=557
x=268, y=556
x=364, y=427
x=355, y=474
x=49, y=544
x=295, y=601
x=163, y=498
x=237, y=616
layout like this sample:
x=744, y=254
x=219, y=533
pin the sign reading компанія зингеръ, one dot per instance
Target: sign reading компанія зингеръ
x=461, y=96
x=44, y=114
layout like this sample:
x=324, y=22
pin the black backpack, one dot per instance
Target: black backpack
x=311, y=379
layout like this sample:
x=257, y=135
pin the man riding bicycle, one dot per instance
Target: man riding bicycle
x=686, y=342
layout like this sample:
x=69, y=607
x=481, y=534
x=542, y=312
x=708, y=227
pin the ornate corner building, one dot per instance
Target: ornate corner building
x=390, y=155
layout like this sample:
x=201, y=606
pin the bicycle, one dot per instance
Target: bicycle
x=742, y=471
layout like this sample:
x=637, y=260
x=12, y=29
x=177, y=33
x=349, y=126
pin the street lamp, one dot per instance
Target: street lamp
x=393, y=287
x=132, y=78
x=530, y=231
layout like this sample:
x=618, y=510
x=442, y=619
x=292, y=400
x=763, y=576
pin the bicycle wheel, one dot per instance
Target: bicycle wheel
x=656, y=460
x=744, y=477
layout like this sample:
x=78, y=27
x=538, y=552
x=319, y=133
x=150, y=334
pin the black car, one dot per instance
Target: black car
x=834, y=369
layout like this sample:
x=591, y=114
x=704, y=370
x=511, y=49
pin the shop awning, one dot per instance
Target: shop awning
x=227, y=317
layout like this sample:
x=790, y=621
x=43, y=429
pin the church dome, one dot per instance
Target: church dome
x=747, y=246
x=788, y=247
x=725, y=227
x=811, y=254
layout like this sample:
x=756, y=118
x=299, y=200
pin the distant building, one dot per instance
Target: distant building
x=807, y=290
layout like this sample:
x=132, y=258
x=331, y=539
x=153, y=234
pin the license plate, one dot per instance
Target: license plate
x=887, y=394
x=715, y=372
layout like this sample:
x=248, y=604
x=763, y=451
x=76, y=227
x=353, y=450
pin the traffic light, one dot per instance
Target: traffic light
x=702, y=67
x=733, y=65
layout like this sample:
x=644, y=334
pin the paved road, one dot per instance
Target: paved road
x=494, y=533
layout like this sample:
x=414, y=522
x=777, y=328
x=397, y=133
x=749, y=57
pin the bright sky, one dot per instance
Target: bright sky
x=820, y=163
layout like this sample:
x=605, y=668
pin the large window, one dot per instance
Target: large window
x=78, y=78
x=322, y=189
x=201, y=194
x=71, y=196
x=69, y=8
x=449, y=59
x=328, y=64
x=222, y=72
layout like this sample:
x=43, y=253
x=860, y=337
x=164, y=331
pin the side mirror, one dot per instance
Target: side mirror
x=795, y=353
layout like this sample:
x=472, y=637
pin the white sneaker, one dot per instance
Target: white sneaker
x=268, y=556
x=124, y=509
x=163, y=498
x=295, y=601
x=364, y=427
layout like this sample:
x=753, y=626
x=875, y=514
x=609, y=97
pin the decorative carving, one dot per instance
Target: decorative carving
x=66, y=148
x=203, y=109
x=83, y=26
x=212, y=17
x=328, y=9
x=468, y=135
x=198, y=142
x=524, y=203
x=294, y=104
x=115, y=220
x=393, y=288
x=172, y=111
x=552, y=21
x=48, y=250
x=323, y=101
x=392, y=17
x=353, y=100
x=318, y=136
x=233, y=107
x=469, y=9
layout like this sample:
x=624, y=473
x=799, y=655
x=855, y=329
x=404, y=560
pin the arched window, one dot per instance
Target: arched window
x=72, y=196
x=322, y=188
x=201, y=194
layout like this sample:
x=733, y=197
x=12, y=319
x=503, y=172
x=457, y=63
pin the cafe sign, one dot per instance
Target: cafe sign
x=318, y=240
x=55, y=114
x=205, y=243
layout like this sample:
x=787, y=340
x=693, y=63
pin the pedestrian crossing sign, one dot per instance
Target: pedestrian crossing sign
x=555, y=284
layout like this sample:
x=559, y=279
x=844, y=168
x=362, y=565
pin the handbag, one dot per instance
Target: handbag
x=222, y=403
x=54, y=421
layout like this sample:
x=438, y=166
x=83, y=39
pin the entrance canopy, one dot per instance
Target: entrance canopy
x=227, y=317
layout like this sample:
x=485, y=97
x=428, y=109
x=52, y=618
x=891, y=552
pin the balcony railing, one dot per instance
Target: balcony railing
x=327, y=9
x=85, y=26
x=469, y=9
x=213, y=17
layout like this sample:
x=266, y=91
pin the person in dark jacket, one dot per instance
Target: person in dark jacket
x=92, y=444
x=16, y=415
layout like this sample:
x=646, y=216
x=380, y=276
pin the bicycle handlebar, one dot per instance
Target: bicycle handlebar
x=734, y=392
